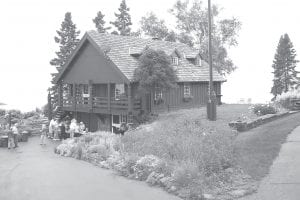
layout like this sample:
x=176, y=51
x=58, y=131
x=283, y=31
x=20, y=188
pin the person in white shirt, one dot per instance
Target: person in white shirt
x=73, y=127
x=51, y=128
x=81, y=128
x=15, y=132
x=43, y=134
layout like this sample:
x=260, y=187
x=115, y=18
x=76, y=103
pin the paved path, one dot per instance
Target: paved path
x=283, y=181
x=32, y=172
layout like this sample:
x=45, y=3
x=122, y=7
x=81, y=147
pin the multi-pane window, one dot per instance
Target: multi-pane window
x=157, y=94
x=119, y=91
x=71, y=90
x=198, y=61
x=175, y=60
x=85, y=89
x=186, y=90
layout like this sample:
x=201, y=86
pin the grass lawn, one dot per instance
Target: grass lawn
x=181, y=129
x=256, y=149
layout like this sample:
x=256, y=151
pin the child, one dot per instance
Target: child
x=43, y=134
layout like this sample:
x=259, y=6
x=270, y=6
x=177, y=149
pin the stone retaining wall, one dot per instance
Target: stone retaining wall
x=249, y=124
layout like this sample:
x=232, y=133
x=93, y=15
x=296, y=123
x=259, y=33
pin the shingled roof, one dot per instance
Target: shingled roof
x=123, y=51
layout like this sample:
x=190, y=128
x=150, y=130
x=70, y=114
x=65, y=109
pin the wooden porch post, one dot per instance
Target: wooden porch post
x=130, y=104
x=60, y=103
x=74, y=99
x=109, y=98
x=91, y=95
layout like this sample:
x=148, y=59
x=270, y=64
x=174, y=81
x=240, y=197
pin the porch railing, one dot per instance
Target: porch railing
x=101, y=102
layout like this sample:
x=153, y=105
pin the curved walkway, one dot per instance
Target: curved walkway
x=32, y=172
x=283, y=181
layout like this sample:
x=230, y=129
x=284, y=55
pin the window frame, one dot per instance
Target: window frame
x=85, y=89
x=175, y=60
x=187, y=90
x=118, y=94
x=198, y=62
x=158, y=94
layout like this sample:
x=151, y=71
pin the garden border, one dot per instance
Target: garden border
x=245, y=125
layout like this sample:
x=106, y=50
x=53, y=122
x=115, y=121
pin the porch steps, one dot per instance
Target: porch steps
x=59, y=113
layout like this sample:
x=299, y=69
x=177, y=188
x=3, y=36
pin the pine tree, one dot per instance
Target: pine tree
x=284, y=64
x=123, y=21
x=100, y=23
x=67, y=39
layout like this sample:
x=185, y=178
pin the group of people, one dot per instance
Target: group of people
x=59, y=130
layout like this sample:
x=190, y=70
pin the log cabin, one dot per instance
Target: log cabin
x=97, y=84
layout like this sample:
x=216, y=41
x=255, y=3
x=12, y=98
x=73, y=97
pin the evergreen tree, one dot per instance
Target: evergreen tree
x=100, y=23
x=284, y=64
x=123, y=21
x=67, y=39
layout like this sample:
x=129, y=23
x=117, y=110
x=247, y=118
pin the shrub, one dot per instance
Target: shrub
x=29, y=114
x=145, y=165
x=126, y=168
x=185, y=174
x=263, y=109
x=2, y=112
x=284, y=99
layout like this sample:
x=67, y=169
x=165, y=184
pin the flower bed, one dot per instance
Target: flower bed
x=106, y=150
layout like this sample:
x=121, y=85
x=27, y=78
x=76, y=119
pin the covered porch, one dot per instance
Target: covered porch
x=106, y=98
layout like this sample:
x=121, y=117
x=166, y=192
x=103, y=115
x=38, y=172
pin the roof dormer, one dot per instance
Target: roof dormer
x=198, y=61
x=175, y=60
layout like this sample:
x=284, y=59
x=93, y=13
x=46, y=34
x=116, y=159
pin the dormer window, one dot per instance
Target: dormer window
x=198, y=61
x=174, y=60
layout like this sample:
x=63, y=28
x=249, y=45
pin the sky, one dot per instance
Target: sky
x=28, y=28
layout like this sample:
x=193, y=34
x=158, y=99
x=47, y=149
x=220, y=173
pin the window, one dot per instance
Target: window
x=71, y=90
x=175, y=60
x=157, y=94
x=85, y=89
x=198, y=61
x=123, y=119
x=116, y=119
x=119, y=91
x=186, y=90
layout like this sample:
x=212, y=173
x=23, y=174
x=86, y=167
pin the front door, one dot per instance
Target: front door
x=117, y=120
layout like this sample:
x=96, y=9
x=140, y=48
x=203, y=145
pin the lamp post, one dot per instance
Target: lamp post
x=211, y=104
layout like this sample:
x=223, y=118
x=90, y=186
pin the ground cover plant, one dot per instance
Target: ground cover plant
x=284, y=100
x=264, y=109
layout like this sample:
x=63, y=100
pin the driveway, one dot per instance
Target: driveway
x=32, y=172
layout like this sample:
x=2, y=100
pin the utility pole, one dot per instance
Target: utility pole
x=211, y=104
